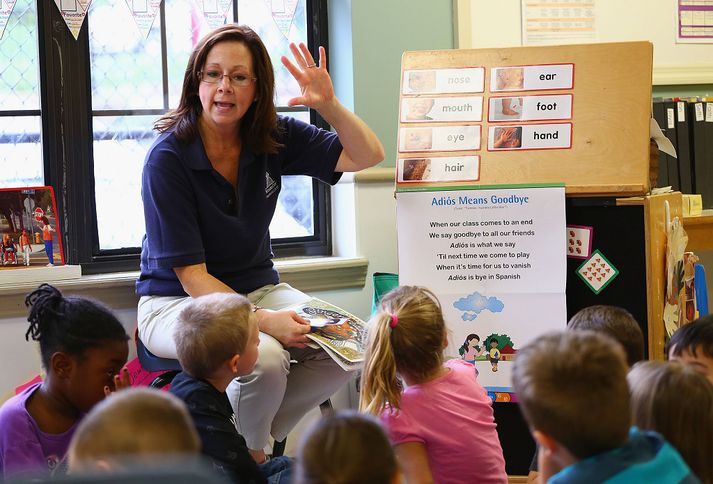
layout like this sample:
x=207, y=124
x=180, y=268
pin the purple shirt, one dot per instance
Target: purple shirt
x=24, y=449
x=453, y=417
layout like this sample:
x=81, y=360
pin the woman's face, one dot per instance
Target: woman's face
x=224, y=104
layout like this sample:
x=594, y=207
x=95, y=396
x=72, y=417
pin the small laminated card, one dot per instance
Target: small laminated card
x=579, y=241
x=597, y=272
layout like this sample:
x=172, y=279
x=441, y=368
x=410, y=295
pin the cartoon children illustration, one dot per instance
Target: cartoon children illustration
x=25, y=247
x=471, y=348
x=494, y=354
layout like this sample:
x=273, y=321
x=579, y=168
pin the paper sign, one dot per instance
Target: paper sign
x=530, y=78
x=214, y=12
x=579, y=241
x=530, y=108
x=283, y=13
x=6, y=7
x=144, y=13
x=597, y=272
x=424, y=109
x=442, y=168
x=428, y=81
x=530, y=137
x=442, y=138
x=73, y=13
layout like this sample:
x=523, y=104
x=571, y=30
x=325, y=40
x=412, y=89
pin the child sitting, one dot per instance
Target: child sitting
x=83, y=348
x=574, y=396
x=442, y=424
x=137, y=426
x=677, y=402
x=216, y=340
x=346, y=447
x=692, y=344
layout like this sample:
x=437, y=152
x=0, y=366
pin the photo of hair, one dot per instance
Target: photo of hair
x=507, y=137
x=416, y=169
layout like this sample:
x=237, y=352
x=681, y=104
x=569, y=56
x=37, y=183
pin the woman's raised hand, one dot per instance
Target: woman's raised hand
x=314, y=80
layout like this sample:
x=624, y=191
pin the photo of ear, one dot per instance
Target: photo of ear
x=509, y=79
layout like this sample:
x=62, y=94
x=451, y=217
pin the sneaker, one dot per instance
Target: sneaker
x=49, y=265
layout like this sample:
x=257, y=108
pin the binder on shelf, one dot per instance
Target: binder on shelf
x=702, y=164
x=683, y=137
x=659, y=113
x=670, y=131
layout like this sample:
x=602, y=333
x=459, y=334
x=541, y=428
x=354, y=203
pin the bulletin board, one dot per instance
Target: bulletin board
x=599, y=146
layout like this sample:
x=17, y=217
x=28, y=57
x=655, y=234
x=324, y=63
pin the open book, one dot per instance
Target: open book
x=338, y=332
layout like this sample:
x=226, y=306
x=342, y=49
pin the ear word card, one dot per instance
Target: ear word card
x=442, y=138
x=430, y=81
x=441, y=168
x=532, y=78
x=579, y=241
x=424, y=109
x=597, y=272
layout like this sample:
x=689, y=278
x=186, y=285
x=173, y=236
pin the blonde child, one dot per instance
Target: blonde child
x=346, y=448
x=140, y=426
x=83, y=348
x=574, y=396
x=442, y=423
x=217, y=340
x=677, y=402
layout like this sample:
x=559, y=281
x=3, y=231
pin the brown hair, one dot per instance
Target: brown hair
x=615, y=322
x=346, y=447
x=132, y=423
x=561, y=379
x=414, y=346
x=258, y=128
x=677, y=402
x=210, y=330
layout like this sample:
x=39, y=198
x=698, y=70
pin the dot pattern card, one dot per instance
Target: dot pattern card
x=579, y=241
x=597, y=272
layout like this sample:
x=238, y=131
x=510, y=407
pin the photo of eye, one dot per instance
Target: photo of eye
x=417, y=139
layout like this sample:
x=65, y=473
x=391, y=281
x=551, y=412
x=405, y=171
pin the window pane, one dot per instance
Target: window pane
x=120, y=145
x=277, y=32
x=124, y=68
x=20, y=152
x=19, y=85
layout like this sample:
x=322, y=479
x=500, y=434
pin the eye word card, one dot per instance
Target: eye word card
x=431, y=81
x=530, y=108
x=442, y=138
x=424, y=109
x=439, y=169
x=532, y=78
x=530, y=137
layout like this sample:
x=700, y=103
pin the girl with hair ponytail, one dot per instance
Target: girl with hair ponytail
x=83, y=348
x=441, y=424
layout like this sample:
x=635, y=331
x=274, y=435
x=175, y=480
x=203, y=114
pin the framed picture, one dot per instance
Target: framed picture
x=29, y=228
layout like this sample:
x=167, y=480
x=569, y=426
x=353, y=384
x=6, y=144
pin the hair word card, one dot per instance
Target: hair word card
x=532, y=78
x=442, y=138
x=429, y=81
x=423, y=109
x=442, y=168
x=530, y=137
x=530, y=108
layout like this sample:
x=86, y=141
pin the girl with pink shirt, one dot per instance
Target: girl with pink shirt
x=440, y=420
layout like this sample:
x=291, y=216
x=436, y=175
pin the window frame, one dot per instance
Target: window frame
x=67, y=143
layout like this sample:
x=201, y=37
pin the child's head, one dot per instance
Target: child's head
x=494, y=342
x=406, y=336
x=471, y=341
x=677, y=402
x=615, y=322
x=213, y=330
x=346, y=447
x=82, y=344
x=692, y=344
x=134, y=425
x=572, y=389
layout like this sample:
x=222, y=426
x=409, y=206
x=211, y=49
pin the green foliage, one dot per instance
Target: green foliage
x=503, y=341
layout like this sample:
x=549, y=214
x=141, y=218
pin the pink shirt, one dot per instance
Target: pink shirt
x=453, y=417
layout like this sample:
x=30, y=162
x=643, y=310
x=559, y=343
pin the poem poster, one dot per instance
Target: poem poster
x=496, y=258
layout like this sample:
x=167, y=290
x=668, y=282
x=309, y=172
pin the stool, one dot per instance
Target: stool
x=151, y=362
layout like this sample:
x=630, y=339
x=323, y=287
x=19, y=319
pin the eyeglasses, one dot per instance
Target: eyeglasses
x=236, y=80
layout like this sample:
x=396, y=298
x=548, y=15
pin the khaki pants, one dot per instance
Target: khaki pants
x=286, y=382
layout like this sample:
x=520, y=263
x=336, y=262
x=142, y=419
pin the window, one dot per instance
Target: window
x=109, y=86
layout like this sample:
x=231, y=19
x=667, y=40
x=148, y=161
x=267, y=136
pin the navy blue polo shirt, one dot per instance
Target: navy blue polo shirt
x=193, y=215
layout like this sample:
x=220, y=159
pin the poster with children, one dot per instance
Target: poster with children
x=496, y=259
x=28, y=224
